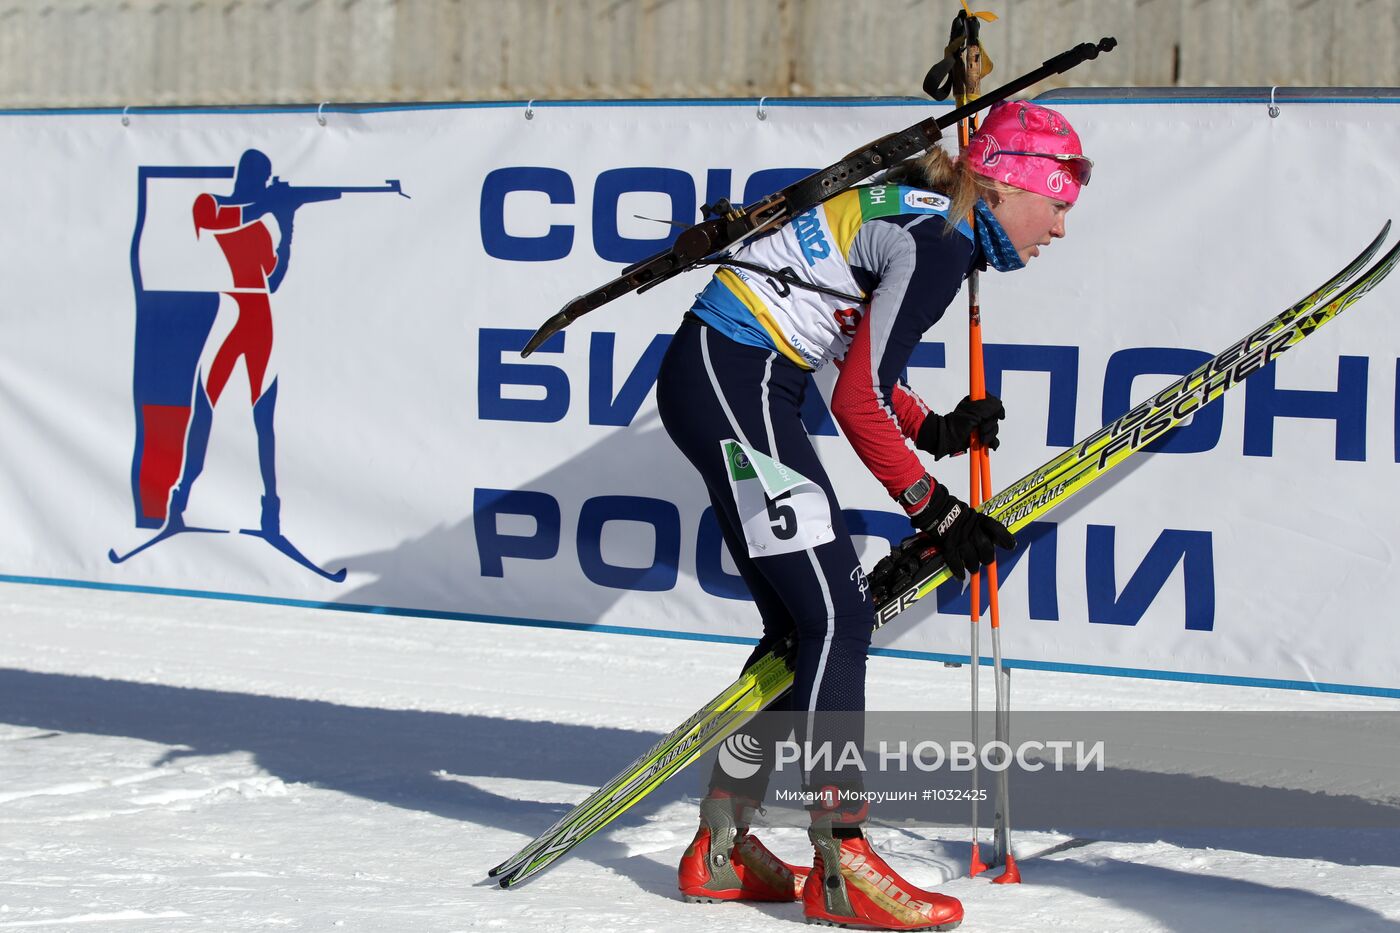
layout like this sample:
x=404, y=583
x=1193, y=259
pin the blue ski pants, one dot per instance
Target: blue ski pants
x=712, y=389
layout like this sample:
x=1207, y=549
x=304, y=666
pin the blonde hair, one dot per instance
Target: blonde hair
x=936, y=170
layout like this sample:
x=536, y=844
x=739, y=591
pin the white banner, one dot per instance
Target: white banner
x=296, y=345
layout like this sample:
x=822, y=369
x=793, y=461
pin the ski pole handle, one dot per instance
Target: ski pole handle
x=1083, y=52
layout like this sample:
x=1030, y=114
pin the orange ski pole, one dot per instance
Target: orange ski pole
x=980, y=487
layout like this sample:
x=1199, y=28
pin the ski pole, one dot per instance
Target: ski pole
x=980, y=486
x=967, y=79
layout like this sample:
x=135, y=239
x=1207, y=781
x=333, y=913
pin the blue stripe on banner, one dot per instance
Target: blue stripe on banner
x=345, y=108
x=1150, y=674
x=1144, y=673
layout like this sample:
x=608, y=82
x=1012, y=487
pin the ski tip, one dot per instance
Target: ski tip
x=517, y=876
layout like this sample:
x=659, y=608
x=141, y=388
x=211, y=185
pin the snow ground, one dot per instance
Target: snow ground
x=172, y=764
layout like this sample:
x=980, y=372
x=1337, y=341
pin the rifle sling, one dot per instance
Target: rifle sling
x=782, y=275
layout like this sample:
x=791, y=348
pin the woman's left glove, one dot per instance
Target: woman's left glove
x=942, y=435
x=965, y=537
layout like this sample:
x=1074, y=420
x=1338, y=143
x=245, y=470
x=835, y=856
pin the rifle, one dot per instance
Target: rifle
x=282, y=196
x=729, y=225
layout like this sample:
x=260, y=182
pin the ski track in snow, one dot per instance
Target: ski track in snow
x=83, y=787
x=177, y=765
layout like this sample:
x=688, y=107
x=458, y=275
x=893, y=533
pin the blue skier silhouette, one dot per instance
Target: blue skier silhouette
x=258, y=266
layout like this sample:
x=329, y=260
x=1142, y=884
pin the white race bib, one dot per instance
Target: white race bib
x=781, y=510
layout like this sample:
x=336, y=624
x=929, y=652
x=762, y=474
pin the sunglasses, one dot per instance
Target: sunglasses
x=1079, y=167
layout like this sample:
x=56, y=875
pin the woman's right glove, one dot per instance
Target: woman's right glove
x=966, y=538
x=943, y=435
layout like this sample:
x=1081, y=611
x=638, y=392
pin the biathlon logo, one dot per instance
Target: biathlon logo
x=740, y=756
x=200, y=313
x=926, y=201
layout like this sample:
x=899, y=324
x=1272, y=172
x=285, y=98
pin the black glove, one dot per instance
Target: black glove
x=966, y=538
x=942, y=435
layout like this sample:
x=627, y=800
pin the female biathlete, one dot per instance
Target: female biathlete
x=857, y=281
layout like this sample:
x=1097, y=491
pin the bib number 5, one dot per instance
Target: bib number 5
x=780, y=509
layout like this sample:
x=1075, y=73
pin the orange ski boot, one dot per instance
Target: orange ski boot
x=851, y=886
x=725, y=862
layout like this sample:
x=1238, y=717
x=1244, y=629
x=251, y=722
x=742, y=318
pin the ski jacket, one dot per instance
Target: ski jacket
x=896, y=249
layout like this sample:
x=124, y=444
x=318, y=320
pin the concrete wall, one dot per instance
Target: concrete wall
x=70, y=53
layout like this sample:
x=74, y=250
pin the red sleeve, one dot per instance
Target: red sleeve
x=919, y=264
x=879, y=427
x=909, y=409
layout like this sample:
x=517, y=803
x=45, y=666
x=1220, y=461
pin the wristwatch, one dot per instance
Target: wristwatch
x=916, y=493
